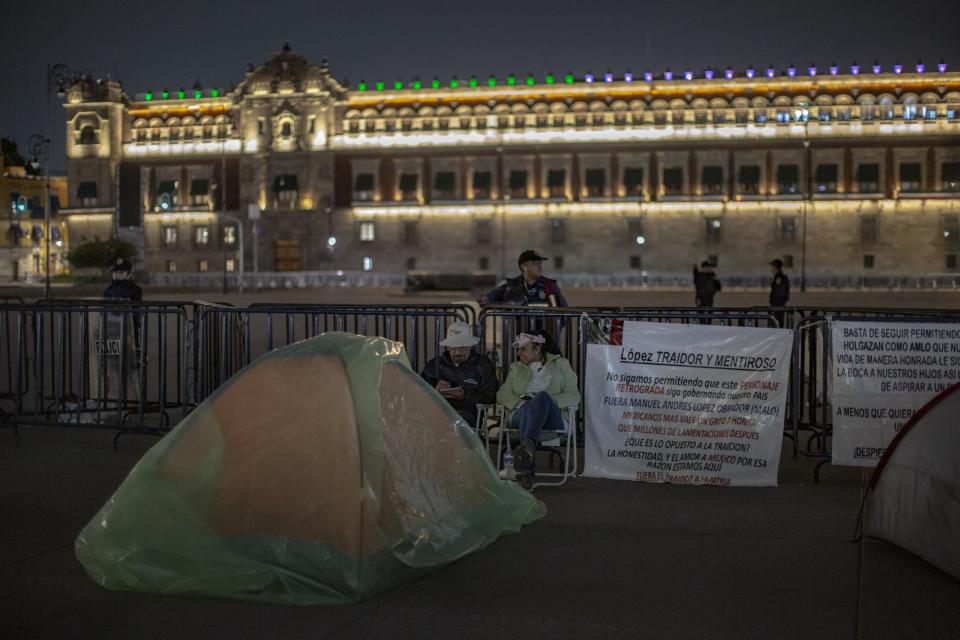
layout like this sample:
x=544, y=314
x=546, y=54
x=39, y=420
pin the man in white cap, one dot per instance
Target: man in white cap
x=461, y=375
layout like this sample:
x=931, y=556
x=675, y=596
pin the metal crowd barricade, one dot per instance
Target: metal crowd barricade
x=811, y=368
x=558, y=320
x=210, y=348
x=7, y=362
x=231, y=338
x=467, y=311
x=97, y=364
x=7, y=343
x=808, y=355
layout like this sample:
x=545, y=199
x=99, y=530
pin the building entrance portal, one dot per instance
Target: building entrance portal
x=286, y=255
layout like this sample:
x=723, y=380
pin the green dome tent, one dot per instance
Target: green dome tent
x=325, y=472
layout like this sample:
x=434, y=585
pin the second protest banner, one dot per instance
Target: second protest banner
x=882, y=372
x=687, y=404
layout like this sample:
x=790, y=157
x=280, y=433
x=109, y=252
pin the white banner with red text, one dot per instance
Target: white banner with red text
x=687, y=404
x=882, y=372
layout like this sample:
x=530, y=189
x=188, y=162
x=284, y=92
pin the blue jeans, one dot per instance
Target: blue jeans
x=539, y=414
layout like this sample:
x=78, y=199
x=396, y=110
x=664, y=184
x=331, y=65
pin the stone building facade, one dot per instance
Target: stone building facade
x=846, y=172
x=23, y=227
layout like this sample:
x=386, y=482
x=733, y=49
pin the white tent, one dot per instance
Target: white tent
x=915, y=490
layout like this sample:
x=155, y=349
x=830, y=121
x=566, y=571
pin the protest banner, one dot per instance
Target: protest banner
x=882, y=372
x=687, y=404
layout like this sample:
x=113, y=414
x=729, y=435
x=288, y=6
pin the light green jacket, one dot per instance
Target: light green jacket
x=563, y=383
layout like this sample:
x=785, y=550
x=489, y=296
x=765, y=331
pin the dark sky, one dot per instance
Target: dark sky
x=152, y=45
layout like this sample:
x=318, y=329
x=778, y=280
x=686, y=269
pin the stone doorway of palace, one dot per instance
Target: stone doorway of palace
x=286, y=255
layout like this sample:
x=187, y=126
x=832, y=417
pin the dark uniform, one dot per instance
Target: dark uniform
x=707, y=285
x=779, y=295
x=516, y=291
x=779, y=290
x=476, y=376
x=123, y=290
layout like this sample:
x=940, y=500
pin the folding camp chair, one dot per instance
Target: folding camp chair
x=486, y=414
x=561, y=443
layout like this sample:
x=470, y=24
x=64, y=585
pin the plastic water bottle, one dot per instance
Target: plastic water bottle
x=507, y=472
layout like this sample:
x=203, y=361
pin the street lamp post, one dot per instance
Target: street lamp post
x=39, y=148
x=803, y=114
x=58, y=75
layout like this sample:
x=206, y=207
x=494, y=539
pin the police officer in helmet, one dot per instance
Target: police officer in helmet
x=123, y=287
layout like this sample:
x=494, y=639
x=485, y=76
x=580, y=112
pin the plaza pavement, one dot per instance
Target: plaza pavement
x=610, y=560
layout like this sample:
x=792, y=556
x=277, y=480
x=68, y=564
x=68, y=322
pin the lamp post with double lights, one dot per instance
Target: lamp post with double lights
x=39, y=148
x=58, y=76
x=802, y=114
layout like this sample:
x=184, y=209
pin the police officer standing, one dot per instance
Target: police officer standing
x=706, y=283
x=120, y=358
x=531, y=288
x=779, y=289
x=123, y=287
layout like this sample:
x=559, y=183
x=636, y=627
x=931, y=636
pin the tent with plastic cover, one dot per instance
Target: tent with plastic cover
x=325, y=472
x=914, y=500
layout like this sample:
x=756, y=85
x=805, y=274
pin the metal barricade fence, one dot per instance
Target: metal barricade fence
x=231, y=338
x=468, y=311
x=208, y=349
x=141, y=367
x=7, y=362
x=811, y=366
x=120, y=365
x=7, y=344
x=176, y=341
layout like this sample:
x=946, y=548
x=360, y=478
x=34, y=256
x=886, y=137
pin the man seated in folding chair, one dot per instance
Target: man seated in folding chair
x=539, y=387
x=463, y=376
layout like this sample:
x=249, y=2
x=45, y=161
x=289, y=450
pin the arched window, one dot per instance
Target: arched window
x=286, y=130
x=88, y=135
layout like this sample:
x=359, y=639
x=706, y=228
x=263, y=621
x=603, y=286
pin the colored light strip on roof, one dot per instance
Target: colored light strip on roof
x=150, y=96
x=688, y=75
x=666, y=90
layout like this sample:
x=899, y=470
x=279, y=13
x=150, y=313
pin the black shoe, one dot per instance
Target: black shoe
x=526, y=480
x=525, y=466
x=522, y=460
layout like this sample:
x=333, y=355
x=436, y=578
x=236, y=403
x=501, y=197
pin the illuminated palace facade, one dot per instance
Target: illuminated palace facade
x=851, y=171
